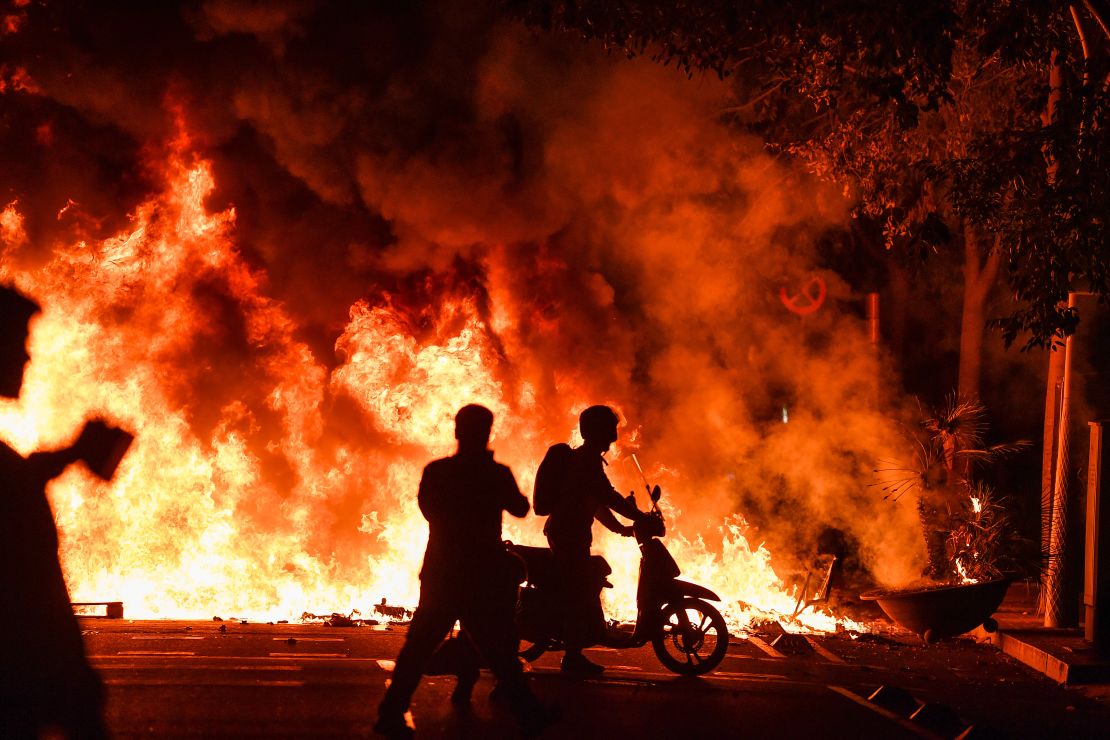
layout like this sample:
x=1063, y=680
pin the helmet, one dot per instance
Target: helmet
x=598, y=423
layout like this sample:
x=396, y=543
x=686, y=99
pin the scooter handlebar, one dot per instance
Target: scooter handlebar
x=650, y=525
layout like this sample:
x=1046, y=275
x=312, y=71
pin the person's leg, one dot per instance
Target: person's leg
x=580, y=607
x=457, y=656
x=430, y=624
x=489, y=622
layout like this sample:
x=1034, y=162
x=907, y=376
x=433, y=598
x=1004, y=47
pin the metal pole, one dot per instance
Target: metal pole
x=1055, y=390
x=1096, y=573
x=1057, y=613
x=873, y=317
x=1048, y=462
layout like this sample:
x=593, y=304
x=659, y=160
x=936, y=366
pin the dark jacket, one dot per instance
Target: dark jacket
x=462, y=498
x=44, y=676
x=586, y=491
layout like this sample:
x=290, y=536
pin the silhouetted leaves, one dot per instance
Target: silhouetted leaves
x=928, y=112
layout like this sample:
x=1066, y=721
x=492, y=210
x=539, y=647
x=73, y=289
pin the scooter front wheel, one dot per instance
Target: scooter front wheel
x=692, y=638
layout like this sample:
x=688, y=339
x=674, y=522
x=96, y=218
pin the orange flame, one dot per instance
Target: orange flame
x=195, y=522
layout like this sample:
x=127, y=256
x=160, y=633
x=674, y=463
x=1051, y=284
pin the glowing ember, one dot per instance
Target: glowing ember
x=962, y=572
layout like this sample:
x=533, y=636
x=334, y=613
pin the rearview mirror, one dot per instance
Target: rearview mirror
x=655, y=494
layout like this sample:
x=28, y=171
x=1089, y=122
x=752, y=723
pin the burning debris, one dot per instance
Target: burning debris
x=111, y=609
x=393, y=613
x=338, y=620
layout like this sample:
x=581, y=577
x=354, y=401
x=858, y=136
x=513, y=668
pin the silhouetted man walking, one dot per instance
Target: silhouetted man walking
x=585, y=493
x=47, y=688
x=467, y=574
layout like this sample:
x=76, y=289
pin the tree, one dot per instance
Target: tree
x=870, y=89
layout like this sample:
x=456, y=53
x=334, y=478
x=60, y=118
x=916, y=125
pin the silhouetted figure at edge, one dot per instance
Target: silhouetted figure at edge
x=467, y=575
x=47, y=687
x=585, y=493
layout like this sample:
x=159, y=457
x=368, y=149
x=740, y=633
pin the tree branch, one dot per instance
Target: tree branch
x=1099, y=17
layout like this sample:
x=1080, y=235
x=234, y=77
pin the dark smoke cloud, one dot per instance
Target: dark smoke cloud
x=620, y=244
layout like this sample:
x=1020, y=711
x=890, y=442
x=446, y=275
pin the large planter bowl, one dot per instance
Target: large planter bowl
x=945, y=611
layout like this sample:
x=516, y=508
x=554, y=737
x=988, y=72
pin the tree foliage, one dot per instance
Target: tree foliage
x=933, y=115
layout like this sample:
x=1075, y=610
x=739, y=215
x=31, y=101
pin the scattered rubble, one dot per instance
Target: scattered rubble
x=396, y=613
x=335, y=619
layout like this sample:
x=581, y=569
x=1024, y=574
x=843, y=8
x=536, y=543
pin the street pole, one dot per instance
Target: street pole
x=1054, y=392
x=1096, y=573
x=1059, y=612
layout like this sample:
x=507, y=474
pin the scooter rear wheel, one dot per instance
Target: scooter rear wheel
x=692, y=638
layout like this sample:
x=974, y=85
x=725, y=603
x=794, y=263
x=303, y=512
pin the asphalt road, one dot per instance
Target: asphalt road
x=229, y=679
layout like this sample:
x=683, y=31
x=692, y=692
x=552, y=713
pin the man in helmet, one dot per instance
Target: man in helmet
x=467, y=574
x=585, y=494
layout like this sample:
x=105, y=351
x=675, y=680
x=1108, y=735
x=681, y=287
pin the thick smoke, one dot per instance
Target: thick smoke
x=616, y=241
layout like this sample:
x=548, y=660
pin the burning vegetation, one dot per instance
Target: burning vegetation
x=968, y=532
x=285, y=281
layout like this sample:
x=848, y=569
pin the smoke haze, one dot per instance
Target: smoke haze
x=411, y=208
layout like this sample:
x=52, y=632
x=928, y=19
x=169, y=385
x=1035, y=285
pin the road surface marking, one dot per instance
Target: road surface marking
x=765, y=647
x=753, y=658
x=205, y=684
x=387, y=665
x=155, y=652
x=165, y=637
x=186, y=667
x=309, y=639
x=745, y=676
x=308, y=655
x=883, y=712
x=640, y=675
x=824, y=653
x=241, y=659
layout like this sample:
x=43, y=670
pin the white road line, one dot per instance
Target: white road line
x=386, y=665
x=180, y=658
x=756, y=658
x=164, y=637
x=615, y=671
x=179, y=666
x=745, y=676
x=824, y=652
x=905, y=723
x=155, y=652
x=765, y=647
x=205, y=684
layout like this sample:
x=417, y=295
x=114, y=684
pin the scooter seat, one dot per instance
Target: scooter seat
x=540, y=563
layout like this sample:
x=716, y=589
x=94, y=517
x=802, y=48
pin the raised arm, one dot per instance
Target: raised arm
x=45, y=466
x=618, y=503
x=512, y=500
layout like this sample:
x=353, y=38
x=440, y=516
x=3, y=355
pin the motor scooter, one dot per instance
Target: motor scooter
x=688, y=634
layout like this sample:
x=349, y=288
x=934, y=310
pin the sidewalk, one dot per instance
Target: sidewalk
x=1061, y=654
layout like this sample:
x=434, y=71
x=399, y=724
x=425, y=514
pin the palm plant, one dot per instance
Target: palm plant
x=967, y=527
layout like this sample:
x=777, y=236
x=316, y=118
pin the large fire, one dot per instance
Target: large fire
x=245, y=511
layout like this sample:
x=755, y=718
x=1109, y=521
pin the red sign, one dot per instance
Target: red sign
x=807, y=300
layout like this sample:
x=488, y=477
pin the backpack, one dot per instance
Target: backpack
x=550, y=477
